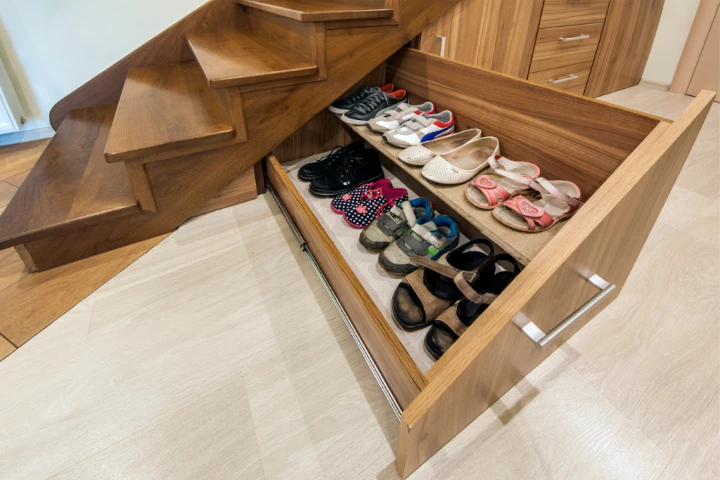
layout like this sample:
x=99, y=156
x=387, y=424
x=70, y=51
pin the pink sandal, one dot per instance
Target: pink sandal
x=507, y=179
x=552, y=202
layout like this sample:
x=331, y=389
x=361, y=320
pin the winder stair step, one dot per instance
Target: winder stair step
x=163, y=110
x=232, y=58
x=71, y=185
x=323, y=10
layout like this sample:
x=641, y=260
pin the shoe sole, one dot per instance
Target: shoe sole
x=327, y=193
x=352, y=121
x=339, y=111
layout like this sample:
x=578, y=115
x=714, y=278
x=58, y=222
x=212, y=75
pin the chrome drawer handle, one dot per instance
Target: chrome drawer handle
x=574, y=39
x=542, y=340
x=569, y=78
x=443, y=45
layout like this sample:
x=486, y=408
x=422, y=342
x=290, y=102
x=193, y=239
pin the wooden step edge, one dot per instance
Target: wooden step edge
x=67, y=226
x=289, y=74
x=319, y=15
x=227, y=134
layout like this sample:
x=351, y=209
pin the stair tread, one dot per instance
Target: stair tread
x=233, y=57
x=322, y=10
x=71, y=185
x=165, y=108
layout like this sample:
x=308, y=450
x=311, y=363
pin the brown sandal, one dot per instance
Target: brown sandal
x=427, y=292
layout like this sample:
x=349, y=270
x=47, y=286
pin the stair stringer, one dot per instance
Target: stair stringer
x=183, y=185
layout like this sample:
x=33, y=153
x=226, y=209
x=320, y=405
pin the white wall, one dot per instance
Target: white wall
x=675, y=23
x=51, y=47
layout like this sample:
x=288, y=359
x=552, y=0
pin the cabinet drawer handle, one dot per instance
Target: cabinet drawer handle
x=443, y=45
x=542, y=340
x=569, y=78
x=574, y=39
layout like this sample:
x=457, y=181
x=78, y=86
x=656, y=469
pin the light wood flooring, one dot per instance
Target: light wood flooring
x=219, y=355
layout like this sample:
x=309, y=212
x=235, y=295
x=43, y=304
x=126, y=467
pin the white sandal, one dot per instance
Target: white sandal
x=420, y=155
x=462, y=164
x=507, y=179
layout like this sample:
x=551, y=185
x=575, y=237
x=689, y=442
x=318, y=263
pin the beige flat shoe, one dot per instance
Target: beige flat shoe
x=460, y=165
x=420, y=155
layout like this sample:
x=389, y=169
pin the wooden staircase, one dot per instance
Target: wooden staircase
x=144, y=145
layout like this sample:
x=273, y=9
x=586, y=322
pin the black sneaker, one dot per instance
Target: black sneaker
x=345, y=104
x=326, y=164
x=356, y=169
x=373, y=105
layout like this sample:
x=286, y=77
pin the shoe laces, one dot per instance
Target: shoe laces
x=361, y=93
x=335, y=154
x=372, y=102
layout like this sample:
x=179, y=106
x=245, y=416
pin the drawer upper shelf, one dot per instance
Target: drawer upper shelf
x=522, y=246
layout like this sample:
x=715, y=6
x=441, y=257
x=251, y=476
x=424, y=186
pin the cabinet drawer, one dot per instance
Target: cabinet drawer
x=573, y=78
x=563, y=46
x=559, y=13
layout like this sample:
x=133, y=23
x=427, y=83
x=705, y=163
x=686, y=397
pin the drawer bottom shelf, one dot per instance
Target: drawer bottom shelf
x=379, y=284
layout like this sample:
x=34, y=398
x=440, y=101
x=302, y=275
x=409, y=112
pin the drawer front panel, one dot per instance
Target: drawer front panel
x=573, y=78
x=563, y=46
x=397, y=367
x=560, y=13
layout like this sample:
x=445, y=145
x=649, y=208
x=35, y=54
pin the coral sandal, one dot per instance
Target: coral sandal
x=482, y=290
x=429, y=291
x=462, y=164
x=552, y=201
x=507, y=179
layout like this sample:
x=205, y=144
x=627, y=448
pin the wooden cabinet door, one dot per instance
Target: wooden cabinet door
x=495, y=34
x=707, y=71
x=604, y=238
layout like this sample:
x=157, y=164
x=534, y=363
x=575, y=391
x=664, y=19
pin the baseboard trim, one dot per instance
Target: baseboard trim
x=26, y=136
x=655, y=85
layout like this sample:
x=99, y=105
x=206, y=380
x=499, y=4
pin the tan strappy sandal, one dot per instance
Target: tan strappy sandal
x=430, y=290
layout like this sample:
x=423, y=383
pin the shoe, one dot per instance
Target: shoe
x=460, y=165
x=320, y=168
x=372, y=204
x=420, y=155
x=429, y=240
x=550, y=202
x=354, y=170
x=393, y=118
x=372, y=106
x=345, y=104
x=507, y=179
x=395, y=222
x=433, y=288
x=478, y=293
x=421, y=129
x=352, y=199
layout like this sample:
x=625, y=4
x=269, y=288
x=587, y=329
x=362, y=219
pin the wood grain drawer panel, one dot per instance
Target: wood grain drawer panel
x=558, y=47
x=549, y=78
x=559, y=13
x=399, y=370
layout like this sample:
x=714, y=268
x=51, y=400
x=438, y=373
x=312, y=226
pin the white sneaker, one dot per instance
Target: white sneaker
x=394, y=117
x=461, y=165
x=422, y=128
x=420, y=155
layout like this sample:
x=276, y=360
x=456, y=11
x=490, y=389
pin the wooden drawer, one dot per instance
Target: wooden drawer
x=559, y=13
x=624, y=162
x=563, y=46
x=572, y=78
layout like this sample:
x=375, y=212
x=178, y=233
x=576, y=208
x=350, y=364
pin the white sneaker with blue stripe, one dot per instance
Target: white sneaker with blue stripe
x=421, y=129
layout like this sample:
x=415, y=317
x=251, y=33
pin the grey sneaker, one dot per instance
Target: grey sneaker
x=395, y=222
x=430, y=240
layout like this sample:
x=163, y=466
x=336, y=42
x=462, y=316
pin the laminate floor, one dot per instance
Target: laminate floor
x=219, y=355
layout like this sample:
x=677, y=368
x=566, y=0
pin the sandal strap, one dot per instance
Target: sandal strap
x=493, y=192
x=462, y=278
x=432, y=306
x=547, y=189
x=534, y=216
x=449, y=320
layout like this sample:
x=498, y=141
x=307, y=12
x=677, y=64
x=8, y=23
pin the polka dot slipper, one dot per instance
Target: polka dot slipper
x=372, y=205
x=352, y=199
x=507, y=178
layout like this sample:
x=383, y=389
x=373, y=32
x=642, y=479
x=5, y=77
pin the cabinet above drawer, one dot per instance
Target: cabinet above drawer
x=572, y=78
x=560, y=13
x=563, y=46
